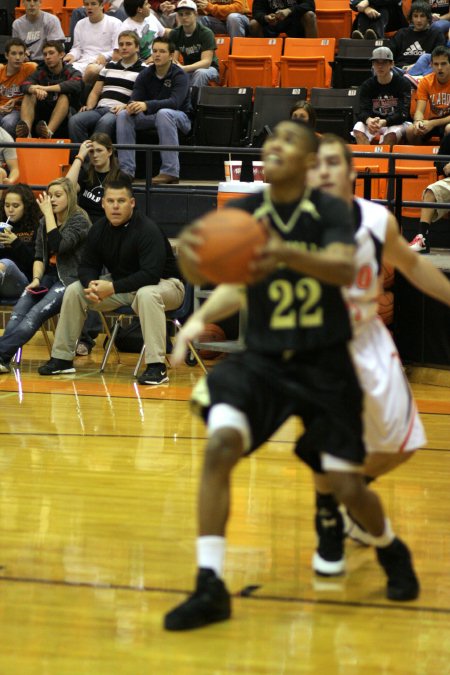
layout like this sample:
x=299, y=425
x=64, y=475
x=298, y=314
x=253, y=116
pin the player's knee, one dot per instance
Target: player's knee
x=347, y=487
x=381, y=463
x=223, y=450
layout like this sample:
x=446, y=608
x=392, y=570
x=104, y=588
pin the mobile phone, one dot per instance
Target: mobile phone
x=39, y=290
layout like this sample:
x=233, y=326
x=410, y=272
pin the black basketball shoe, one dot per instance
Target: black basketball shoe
x=396, y=561
x=209, y=603
x=329, y=560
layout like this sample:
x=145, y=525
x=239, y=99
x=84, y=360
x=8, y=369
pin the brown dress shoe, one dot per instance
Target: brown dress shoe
x=165, y=179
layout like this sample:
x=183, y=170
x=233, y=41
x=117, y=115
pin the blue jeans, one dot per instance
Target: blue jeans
x=422, y=66
x=203, y=76
x=12, y=280
x=8, y=122
x=236, y=25
x=29, y=313
x=166, y=122
x=83, y=124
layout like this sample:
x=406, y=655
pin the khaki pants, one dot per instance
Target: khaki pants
x=150, y=303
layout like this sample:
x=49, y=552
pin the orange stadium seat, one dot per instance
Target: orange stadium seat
x=306, y=62
x=254, y=62
x=223, y=43
x=372, y=165
x=39, y=166
x=423, y=172
x=334, y=18
x=66, y=14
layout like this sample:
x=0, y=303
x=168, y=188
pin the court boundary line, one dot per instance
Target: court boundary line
x=238, y=595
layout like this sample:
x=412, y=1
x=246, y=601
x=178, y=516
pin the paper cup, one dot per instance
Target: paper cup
x=258, y=172
x=233, y=170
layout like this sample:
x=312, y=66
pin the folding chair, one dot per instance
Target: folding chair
x=173, y=316
x=222, y=116
x=422, y=172
x=270, y=107
x=254, y=62
x=306, y=62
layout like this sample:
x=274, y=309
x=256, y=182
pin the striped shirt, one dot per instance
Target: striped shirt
x=118, y=82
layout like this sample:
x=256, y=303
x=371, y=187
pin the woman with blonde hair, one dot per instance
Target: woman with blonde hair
x=60, y=237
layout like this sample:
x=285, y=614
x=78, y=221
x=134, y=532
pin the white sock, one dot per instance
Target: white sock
x=211, y=553
x=386, y=538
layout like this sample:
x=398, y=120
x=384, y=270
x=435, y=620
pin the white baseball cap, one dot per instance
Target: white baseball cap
x=186, y=4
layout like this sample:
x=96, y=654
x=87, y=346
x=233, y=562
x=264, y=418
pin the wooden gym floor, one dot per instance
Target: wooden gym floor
x=97, y=529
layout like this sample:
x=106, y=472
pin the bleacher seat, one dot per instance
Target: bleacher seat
x=223, y=43
x=38, y=166
x=306, y=62
x=254, y=62
x=335, y=110
x=272, y=105
x=334, y=19
x=52, y=6
x=372, y=165
x=423, y=173
x=222, y=116
x=351, y=63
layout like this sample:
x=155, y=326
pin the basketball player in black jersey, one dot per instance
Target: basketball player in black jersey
x=296, y=361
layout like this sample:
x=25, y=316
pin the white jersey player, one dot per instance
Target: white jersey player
x=393, y=429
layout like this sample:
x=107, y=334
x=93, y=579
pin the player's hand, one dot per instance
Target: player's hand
x=188, y=259
x=190, y=331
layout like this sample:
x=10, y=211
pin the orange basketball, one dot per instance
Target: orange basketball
x=230, y=239
x=211, y=333
x=386, y=307
x=388, y=276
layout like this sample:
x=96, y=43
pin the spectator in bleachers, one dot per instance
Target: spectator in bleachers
x=296, y=18
x=196, y=44
x=441, y=15
x=384, y=103
x=224, y=16
x=9, y=167
x=422, y=66
x=432, y=114
x=35, y=28
x=161, y=101
x=375, y=17
x=144, y=23
x=417, y=39
x=12, y=74
x=49, y=91
x=19, y=207
x=438, y=192
x=94, y=41
x=111, y=93
x=303, y=111
x=116, y=10
x=59, y=244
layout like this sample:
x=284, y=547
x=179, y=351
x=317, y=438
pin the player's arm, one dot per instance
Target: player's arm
x=334, y=264
x=419, y=271
x=223, y=302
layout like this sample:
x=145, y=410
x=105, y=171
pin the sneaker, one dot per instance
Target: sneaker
x=83, y=349
x=155, y=373
x=370, y=35
x=419, y=244
x=22, y=130
x=329, y=560
x=209, y=603
x=396, y=561
x=56, y=367
x=42, y=130
x=4, y=366
x=357, y=35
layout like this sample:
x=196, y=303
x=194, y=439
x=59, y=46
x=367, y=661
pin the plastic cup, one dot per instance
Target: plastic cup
x=233, y=170
x=258, y=172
